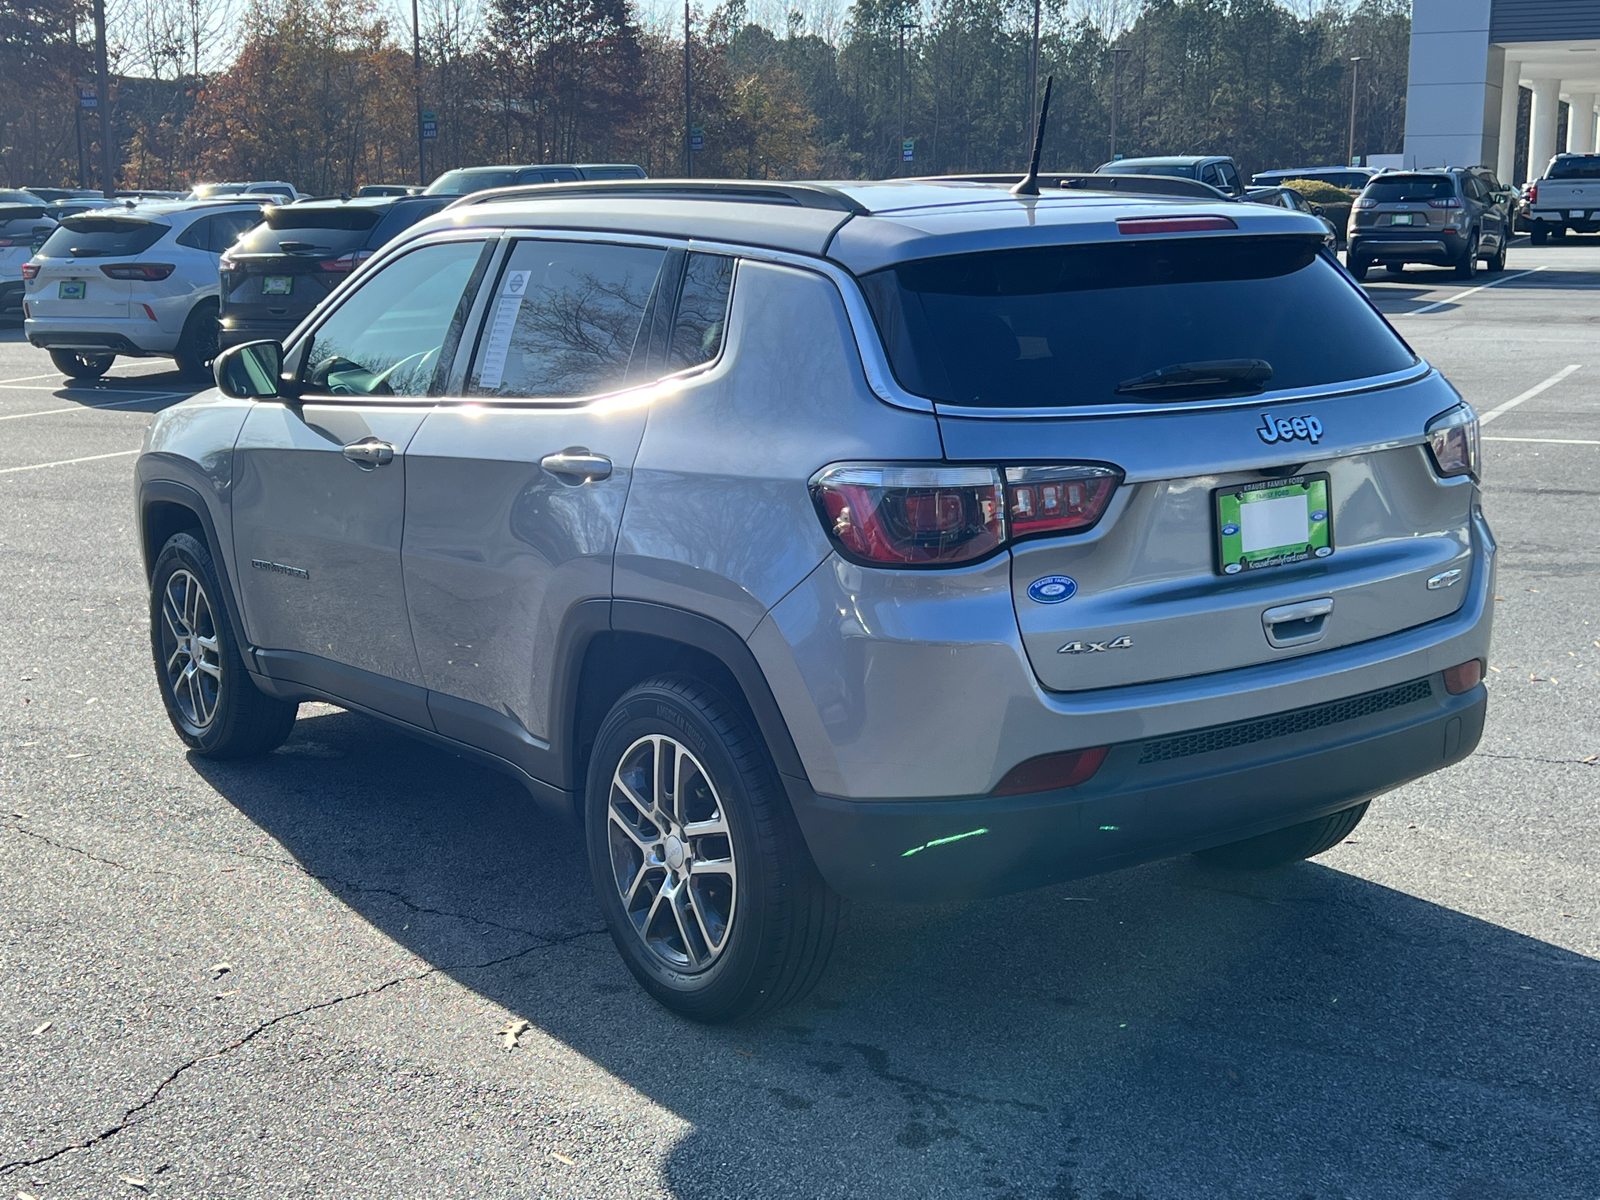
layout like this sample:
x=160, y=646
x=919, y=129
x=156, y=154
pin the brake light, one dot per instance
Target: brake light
x=145, y=271
x=1051, y=771
x=1450, y=202
x=934, y=516
x=30, y=270
x=1533, y=193
x=1453, y=442
x=1366, y=202
x=1139, y=225
x=4, y=241
x=345, y=262
x=226, y=264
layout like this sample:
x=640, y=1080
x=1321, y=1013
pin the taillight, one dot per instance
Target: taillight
x=1051, y=771
x=1533, y=193
x=345, y=262
x=934, y=516
x=144, y=271
x=1453, y=442
x=5, y=241
x=226, y=264
x=1366, y=202
x=1451, y=202
x=30, y=270
x=1140, y=225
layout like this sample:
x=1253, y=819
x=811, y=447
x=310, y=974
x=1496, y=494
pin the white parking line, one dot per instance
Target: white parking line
x=1529, y=394
x=1427, y=308
x=66, y=462
x=45, y=412
x=25, y=378
x=1545, y=441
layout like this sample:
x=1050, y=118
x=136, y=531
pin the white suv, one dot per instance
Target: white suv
x=24, y=221
x=135, y=281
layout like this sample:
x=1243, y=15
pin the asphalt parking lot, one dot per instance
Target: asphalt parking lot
x=289, y=977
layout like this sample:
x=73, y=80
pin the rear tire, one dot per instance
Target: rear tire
x=75, y=364
x=1284, y=846
x=702, y=874
x=1538, y=235
x=1467, y=264
x=1395, y=269
x=198, y=346
x=1559, y=233
x=1358, y=269
x=211, y=700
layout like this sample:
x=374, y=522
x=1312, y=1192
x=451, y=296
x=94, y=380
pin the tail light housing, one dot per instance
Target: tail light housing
x=1453, y=442
x=1450, y=202
x=5, y=241
x=1049, y=772
x=30, y=270
x=147, y=272
x=1533, y=193
x=1366, y=202
x=345, y=262
x=1196, y=224
x=913, y=515
x=226, y=264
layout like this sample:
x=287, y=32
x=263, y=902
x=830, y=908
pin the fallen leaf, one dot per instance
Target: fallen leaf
x=1537, y=679
x=42, y=1028
x=1590, y=759
x=26, y=1196
x=222, y=968
x=134, y=1181
x=1496, y=670
x=225, y=995
x=1572, y=916
x=1499, y=597
x=21, y=815
x=512, y=1030
x=85, y=755
x=562, y=1158
x=1535, y=591
x=746, y=1053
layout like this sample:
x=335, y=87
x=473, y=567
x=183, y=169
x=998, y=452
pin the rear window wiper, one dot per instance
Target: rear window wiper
x=1228, y=374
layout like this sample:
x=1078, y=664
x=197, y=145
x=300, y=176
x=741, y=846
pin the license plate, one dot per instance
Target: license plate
x=1402, y=219
x=71, y=289
x=1576, y=213
x=1273, y=523
x=276, y=285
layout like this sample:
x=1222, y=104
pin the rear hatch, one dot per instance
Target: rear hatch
x=281, y=269
x=71, y=283
x=1400, y=206
x=1277, y=498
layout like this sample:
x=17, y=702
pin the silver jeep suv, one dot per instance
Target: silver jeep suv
x=906, y=541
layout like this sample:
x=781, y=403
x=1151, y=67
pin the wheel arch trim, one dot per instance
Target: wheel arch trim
x=167, y=491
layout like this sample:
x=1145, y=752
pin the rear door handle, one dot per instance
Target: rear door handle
x=575, y=465
x=370, y=452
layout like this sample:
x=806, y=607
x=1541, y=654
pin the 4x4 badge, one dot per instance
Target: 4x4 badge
x=1292, y=429
x=1121, y=643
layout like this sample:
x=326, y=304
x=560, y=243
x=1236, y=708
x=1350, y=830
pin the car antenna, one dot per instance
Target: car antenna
x=1029, y=184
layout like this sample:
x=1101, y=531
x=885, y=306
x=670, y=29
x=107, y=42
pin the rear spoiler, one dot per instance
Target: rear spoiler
x=1135, y=185
x=21, y=212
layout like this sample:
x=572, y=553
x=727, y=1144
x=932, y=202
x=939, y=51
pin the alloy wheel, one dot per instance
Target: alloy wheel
x=672, y=853
x=191, y=655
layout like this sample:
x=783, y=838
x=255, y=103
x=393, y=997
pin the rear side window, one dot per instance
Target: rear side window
x=101, y=237
x=1059, y=326
x=1400, y=189
x=565, y=319
x=1587, y=167
x=402, y=217
x=462, y=183
x=702, y=311
x=1172, y=170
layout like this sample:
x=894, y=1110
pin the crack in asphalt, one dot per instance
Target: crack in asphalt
x=59, y=845
x=127, y=1118
x=1556, y=762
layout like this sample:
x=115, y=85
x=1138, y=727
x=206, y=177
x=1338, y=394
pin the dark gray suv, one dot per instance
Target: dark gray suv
x=910, y=541
x=1452, y=217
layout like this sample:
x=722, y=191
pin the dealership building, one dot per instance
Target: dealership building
x=1468, y=60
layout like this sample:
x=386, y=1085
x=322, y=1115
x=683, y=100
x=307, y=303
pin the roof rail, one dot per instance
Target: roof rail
x=798, y=195
x=1139, y=185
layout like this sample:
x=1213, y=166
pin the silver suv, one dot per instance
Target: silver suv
x=905, y=541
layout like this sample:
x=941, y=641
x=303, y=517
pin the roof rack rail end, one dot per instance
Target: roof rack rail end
x=798, y=195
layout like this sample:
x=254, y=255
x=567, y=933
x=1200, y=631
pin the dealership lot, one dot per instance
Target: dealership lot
x=291, y=977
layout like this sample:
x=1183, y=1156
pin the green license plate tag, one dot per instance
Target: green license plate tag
x=1273, y=523
x=1401, y=219
x=71, y=289
x=276, y=285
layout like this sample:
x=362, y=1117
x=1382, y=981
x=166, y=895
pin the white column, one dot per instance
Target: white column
x=1580, y=123
x=1510, y=90
x=1546, y=120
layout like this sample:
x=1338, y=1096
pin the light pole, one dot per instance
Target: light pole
x=108, y=174
x=688, y=109
x=416, y=87
x=900, y=163
x=1116, y=74
x=1355, y=74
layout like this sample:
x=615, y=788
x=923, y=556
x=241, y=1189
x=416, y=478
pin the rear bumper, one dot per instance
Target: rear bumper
x=137, y=339
x=1585, y=223
x=1443, y=246
x=232, y=331
x=1152, y=799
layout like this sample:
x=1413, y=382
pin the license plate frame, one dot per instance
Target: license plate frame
x=1575, y=213
x=1228, y=536
x=1402, y=218
x=72, y=289
x=277, y=285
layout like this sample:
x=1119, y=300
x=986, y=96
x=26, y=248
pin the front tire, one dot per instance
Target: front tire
x=701, y=871
x=1283, y=846
x=1497, y=263
x=1358, y=269
x=213, y=704
x=75, y=364
x=199, y=344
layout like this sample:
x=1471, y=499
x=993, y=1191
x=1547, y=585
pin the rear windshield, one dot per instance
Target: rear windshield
x=462, y=183
x=1057, y=326
x=403, y=216
x=294, y=216
x=1172, y=170
x=1398, y=189
x=101, y=237
x=1587, y=167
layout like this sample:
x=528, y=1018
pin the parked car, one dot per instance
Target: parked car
x=51, y=194
x=1284, y=197
x=466, y=180
x=284, y=267
x=1219, y=171
x=906, y=541
x=1566, y=197
x=1452, y=216
x=25, y=221
x=139, y=281
x=1350, y=178
x=389, y=189
x=284, y=193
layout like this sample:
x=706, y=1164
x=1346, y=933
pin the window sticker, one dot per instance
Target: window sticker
x=505, y=320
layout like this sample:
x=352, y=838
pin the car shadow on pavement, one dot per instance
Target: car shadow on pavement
x=1167, y=1031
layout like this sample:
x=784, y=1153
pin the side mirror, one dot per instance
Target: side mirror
x=250, y=371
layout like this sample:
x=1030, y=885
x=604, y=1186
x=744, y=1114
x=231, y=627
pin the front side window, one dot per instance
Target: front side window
x=386, y=340
x=702, y=311
x=565, y=319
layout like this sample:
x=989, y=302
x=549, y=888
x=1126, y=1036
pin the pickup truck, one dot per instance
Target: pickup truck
x=1567, y=197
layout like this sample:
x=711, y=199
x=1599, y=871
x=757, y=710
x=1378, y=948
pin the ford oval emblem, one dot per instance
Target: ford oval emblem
x=1052, y=589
